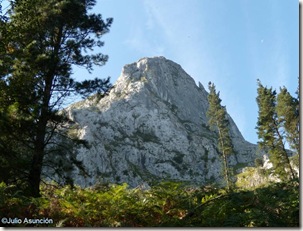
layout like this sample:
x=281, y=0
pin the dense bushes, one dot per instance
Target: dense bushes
x=166, y=204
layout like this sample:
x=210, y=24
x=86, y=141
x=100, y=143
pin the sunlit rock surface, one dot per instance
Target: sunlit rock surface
x=153, y=126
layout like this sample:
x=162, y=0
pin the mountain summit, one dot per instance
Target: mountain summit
x=152, y=126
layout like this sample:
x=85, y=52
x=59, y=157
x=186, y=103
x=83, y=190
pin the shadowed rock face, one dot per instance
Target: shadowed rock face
x=153, y=126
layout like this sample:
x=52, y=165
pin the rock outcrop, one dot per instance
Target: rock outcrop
x=152, y=126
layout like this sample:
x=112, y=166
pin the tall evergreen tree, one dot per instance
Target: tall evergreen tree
x=288, y=116
x=269, y=132
x=39, y=43
x=218, y=118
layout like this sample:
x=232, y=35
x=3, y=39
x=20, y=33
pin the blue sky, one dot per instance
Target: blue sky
x=228, y=42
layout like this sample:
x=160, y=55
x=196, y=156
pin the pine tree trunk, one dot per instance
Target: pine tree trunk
x=226, y=175
x=39, y=149
x=285, y=153
x=226, y=172
x=35, y=171
x=37, y=161
x=288, y=163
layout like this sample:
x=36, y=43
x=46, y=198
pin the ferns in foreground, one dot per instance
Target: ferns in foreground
x=168, y=204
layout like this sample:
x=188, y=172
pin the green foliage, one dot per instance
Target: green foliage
x=253, y=177
x=258, y=162
x=296, y=160
x=272, y=121
x=167, y=204
x=218, y=118
x=264, y=207
x=266, y=121
x=288, y=114
x=40, y=43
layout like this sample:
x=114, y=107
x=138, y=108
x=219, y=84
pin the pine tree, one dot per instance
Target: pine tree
x=288, y=116
x=218, y=118
x=269, y=132
x=40, y=41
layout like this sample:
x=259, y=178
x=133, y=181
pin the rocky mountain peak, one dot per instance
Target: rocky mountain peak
x=165, y=80
x=152, y=126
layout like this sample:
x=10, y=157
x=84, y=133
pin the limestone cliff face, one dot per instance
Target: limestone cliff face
x=153, y=126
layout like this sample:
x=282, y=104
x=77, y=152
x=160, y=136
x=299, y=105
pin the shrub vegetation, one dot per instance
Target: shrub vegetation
x=167, y=204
